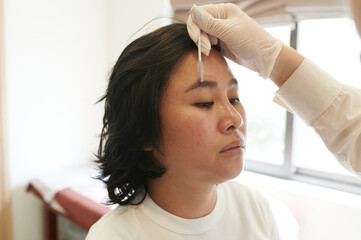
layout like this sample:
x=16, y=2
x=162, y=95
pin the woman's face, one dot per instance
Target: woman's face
x=203, y=124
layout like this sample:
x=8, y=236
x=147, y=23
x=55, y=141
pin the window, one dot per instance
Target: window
x=279, y=143
x=337, y=50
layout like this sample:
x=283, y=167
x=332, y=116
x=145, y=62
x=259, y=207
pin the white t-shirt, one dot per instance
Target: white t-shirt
x=331, y=108
x=240, y=213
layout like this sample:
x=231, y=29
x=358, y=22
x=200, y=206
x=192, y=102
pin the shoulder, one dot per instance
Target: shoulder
x=114, y=225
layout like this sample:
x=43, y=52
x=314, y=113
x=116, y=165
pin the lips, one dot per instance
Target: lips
x=233, y=145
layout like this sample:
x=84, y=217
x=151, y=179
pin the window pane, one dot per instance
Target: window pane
x=310, y=152
x=266, y=120
x=334, y=45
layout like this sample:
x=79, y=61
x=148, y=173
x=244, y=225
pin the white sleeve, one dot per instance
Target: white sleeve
x=331, y=108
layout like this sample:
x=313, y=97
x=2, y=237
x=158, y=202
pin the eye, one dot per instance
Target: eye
x=234, y=101
x=206, y=105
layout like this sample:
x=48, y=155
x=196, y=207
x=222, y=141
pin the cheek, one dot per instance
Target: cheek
x=189, y=129
x=199, y=129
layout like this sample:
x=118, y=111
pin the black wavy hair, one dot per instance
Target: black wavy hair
x=131, y=120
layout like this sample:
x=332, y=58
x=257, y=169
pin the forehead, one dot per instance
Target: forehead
x=185, y=71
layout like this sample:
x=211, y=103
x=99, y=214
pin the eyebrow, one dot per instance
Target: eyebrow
x=209, y=84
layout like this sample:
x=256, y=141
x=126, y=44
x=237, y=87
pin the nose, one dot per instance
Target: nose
x=231, y=119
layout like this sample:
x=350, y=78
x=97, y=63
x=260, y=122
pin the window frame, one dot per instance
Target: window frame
x=288, y=170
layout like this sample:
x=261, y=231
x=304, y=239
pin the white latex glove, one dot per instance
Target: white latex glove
x=240, y=38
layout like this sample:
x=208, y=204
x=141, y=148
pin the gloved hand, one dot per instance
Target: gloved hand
x=240, y=38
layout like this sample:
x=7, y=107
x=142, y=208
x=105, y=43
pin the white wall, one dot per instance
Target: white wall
x=55, y=66
x=125, y=21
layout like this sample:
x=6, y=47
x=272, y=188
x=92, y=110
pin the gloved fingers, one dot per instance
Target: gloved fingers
x=193, y=31
x=205, y=43
x=228, y=53
x=219, y=11
x=206, y=22
x=239, y=37
x=213, y=39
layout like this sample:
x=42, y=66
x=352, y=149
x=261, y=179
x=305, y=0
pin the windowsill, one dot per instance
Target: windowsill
x=273, y=186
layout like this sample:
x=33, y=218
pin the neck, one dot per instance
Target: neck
x=182, y=198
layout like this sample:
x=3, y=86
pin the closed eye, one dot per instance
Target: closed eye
x=206, y=105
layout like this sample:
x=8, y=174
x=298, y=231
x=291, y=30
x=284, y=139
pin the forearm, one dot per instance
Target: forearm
x=331, y=108
x=340, y=128
x=286, y=64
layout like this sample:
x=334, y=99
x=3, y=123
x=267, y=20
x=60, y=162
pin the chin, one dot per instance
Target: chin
x=237, y=168
x=236, y=174
x=232, y=173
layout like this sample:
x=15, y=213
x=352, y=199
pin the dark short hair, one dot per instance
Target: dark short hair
x=131, y=120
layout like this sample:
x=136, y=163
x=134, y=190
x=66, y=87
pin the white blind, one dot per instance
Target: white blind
x=274, y=12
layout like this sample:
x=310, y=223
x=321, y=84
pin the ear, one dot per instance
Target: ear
x=148, y=148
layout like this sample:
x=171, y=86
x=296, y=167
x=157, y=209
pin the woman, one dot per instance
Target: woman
x=170, y=143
